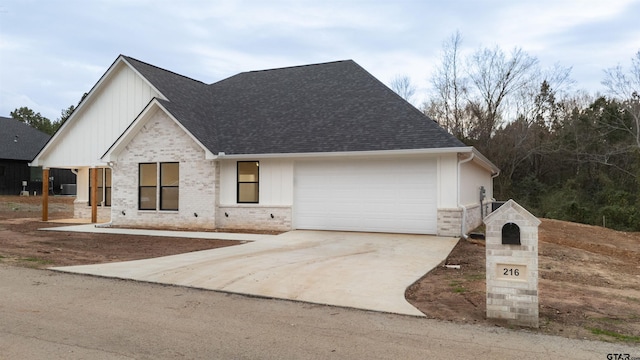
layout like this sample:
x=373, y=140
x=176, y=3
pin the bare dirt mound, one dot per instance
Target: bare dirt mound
x=589, y=283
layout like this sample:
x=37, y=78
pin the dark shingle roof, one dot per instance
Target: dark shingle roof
x=328, y=107
x=172, y=85
x=19, y=141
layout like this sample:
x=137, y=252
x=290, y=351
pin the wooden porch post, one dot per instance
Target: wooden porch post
x=94, y=194
x=45, y=194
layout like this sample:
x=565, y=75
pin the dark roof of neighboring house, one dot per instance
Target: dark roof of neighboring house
x=329, y=107
x=19, y=141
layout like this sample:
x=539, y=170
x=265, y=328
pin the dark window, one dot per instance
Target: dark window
x=248, y=181
x=148, y=186
x=169, y=186
x=107, y=187
x=510, y=234
x=104, y=187
x=162, y=197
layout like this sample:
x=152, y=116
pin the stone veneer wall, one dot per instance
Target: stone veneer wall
x=249, y=217
x=83, y=211
x=450, y=220
x=162, y=140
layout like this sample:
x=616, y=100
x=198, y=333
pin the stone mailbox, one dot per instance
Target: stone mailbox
x=512, y=265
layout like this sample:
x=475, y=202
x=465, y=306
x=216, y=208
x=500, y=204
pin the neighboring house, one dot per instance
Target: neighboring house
x=324, y=146
x=19, y=144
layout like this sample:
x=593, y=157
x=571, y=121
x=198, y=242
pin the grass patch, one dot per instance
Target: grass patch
x=476, y=277
x=36, y=260
x=457, y=287
x=615, y=335
x=609, y=320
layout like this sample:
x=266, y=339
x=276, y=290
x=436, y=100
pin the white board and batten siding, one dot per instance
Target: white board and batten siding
x=389, y=195
x=276, y=183
x=111, y=108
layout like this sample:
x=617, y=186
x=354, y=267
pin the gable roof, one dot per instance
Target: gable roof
x=19, y=141
x=328, y=107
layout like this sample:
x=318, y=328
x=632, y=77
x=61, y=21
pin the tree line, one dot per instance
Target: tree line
x=40, y=122
x=563, y=153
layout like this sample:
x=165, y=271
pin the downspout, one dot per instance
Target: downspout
x=460, y=206
x=493, y=199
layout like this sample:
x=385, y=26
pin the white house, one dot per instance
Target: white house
x=324, y=146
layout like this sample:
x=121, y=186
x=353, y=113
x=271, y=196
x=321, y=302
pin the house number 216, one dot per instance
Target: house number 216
x=511, y=272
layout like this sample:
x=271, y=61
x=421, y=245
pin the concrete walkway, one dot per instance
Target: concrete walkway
x=360, y=270
x=92, y=228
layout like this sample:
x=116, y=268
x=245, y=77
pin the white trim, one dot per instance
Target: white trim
x=484, y=162
x=154, y=105
x=478, y=157
x=222, y=155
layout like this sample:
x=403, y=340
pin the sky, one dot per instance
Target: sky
x=51, y=52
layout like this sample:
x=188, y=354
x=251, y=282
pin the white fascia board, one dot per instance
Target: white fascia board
x=37, y=161
x=478, y=157
x=116, y=148
x=336, y=154
x=484, y=162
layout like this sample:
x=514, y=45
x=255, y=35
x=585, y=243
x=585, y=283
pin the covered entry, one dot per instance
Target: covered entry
x=390, y=195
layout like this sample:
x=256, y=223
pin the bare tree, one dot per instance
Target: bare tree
x=625, y=86
x=402, y=85
x=450, y=88
x=540, y=99
x=495, y=77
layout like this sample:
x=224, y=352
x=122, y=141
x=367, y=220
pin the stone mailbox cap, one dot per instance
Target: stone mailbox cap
x=512, y=206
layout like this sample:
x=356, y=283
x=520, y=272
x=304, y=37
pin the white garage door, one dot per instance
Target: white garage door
x=366, y=195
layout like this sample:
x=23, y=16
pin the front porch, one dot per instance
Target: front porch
x=93, y=196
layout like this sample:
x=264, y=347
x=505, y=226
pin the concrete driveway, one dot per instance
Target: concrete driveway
x=360, y=270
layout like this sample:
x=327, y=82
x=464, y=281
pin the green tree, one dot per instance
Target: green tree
x=33, y=119
x=64, y=115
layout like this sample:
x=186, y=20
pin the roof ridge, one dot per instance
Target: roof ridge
x=298, y=66
x=279, y=69
x=159, y=68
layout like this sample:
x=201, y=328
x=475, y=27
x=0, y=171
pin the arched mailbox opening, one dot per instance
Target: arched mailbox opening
x=510, y=234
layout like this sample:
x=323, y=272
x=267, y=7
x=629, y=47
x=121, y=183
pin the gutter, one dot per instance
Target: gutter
x=367, y=153
x=460, y=206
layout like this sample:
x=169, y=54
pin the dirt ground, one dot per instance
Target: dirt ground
x=21, y=243
x=589, y=282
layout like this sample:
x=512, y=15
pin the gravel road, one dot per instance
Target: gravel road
x=49, y=315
